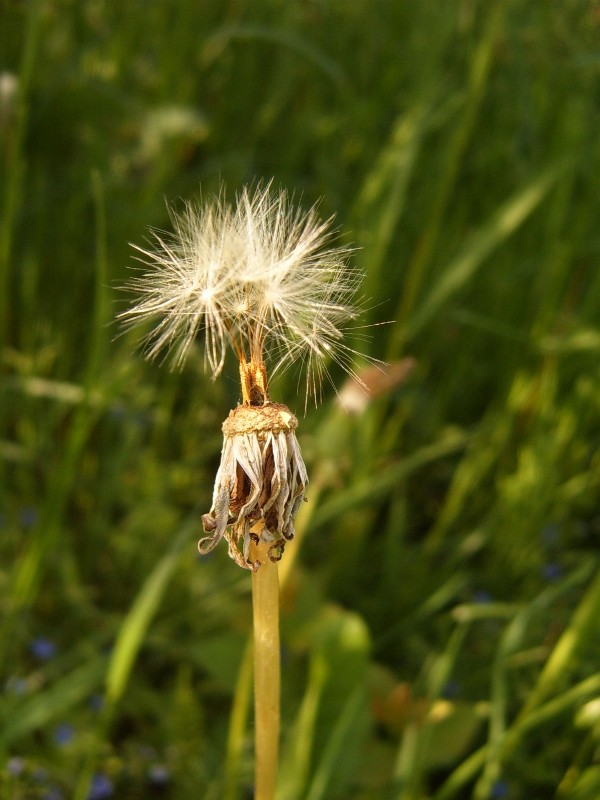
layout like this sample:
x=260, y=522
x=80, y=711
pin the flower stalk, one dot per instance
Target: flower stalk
x=265, y=606
x=263, y=280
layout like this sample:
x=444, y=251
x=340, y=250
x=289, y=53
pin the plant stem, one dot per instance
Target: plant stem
x=265, y=602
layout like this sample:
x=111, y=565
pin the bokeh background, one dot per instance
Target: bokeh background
x=440, y=607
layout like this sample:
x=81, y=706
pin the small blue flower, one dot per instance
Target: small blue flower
x=42, y=649
x=482, y=596
x=118, y=412
x=500, y=790
x=552, y=572
x=40, y=775
x=101, y=788
x=28, y=517
x=551, y=534
x=159, y=774
x=96, y=702
x=121, y=413
x=451, y=689
x=64, y=733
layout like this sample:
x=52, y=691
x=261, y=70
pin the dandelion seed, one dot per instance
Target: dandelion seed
x=263, y=279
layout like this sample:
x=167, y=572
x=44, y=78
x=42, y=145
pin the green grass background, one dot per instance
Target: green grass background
x=440, y=620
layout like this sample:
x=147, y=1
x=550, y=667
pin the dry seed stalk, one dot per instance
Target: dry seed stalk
x=259, y=278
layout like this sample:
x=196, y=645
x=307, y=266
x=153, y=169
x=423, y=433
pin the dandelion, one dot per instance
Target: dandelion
x=264, y=280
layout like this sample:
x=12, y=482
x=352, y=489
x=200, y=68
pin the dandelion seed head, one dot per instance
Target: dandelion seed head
x=260, y=277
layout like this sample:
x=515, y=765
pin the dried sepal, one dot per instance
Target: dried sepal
x=260, y=483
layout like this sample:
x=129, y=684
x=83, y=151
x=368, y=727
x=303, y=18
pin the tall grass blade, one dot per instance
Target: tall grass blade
x=478, y=78
x=136, y=623
x=480, y=245
x=14, y=175
x=342, y=731
x=575, y=637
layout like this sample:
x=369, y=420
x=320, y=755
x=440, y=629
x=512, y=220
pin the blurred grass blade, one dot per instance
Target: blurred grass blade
x=481, y=244
x=335, y=745
x=102, y=310
x=238, y=723
x=552, y=710
x=581, y=340
x=511, y=641
x=29, y=571
x=13, y=183
x=417, y=747
x=47, y=705
x=295, y=769
x=339, y=647
x=476, y=464
x=282, y=38
x=478, y=79
x=135, y=624
x=128, y=644
x=462, y=775
x=580, y=631
x=380, y=203
x=384, y=482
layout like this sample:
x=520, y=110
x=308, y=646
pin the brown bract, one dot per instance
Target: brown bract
x=260, y=483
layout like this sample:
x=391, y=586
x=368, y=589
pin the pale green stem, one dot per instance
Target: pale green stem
x=265, y=603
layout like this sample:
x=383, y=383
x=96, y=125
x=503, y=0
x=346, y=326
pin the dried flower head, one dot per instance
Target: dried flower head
x=260, y=483
x=262, y=278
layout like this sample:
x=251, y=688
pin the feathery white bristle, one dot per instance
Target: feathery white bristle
x=261, y=277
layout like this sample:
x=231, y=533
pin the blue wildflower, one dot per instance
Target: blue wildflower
x=551, y=534
x=28, y=517
x=552, y=572
x=64, y=733
x=451, y=689
x=42, y=649
x=500, y=790
x=101, y=788
x=40, y=775
x=96, y=702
